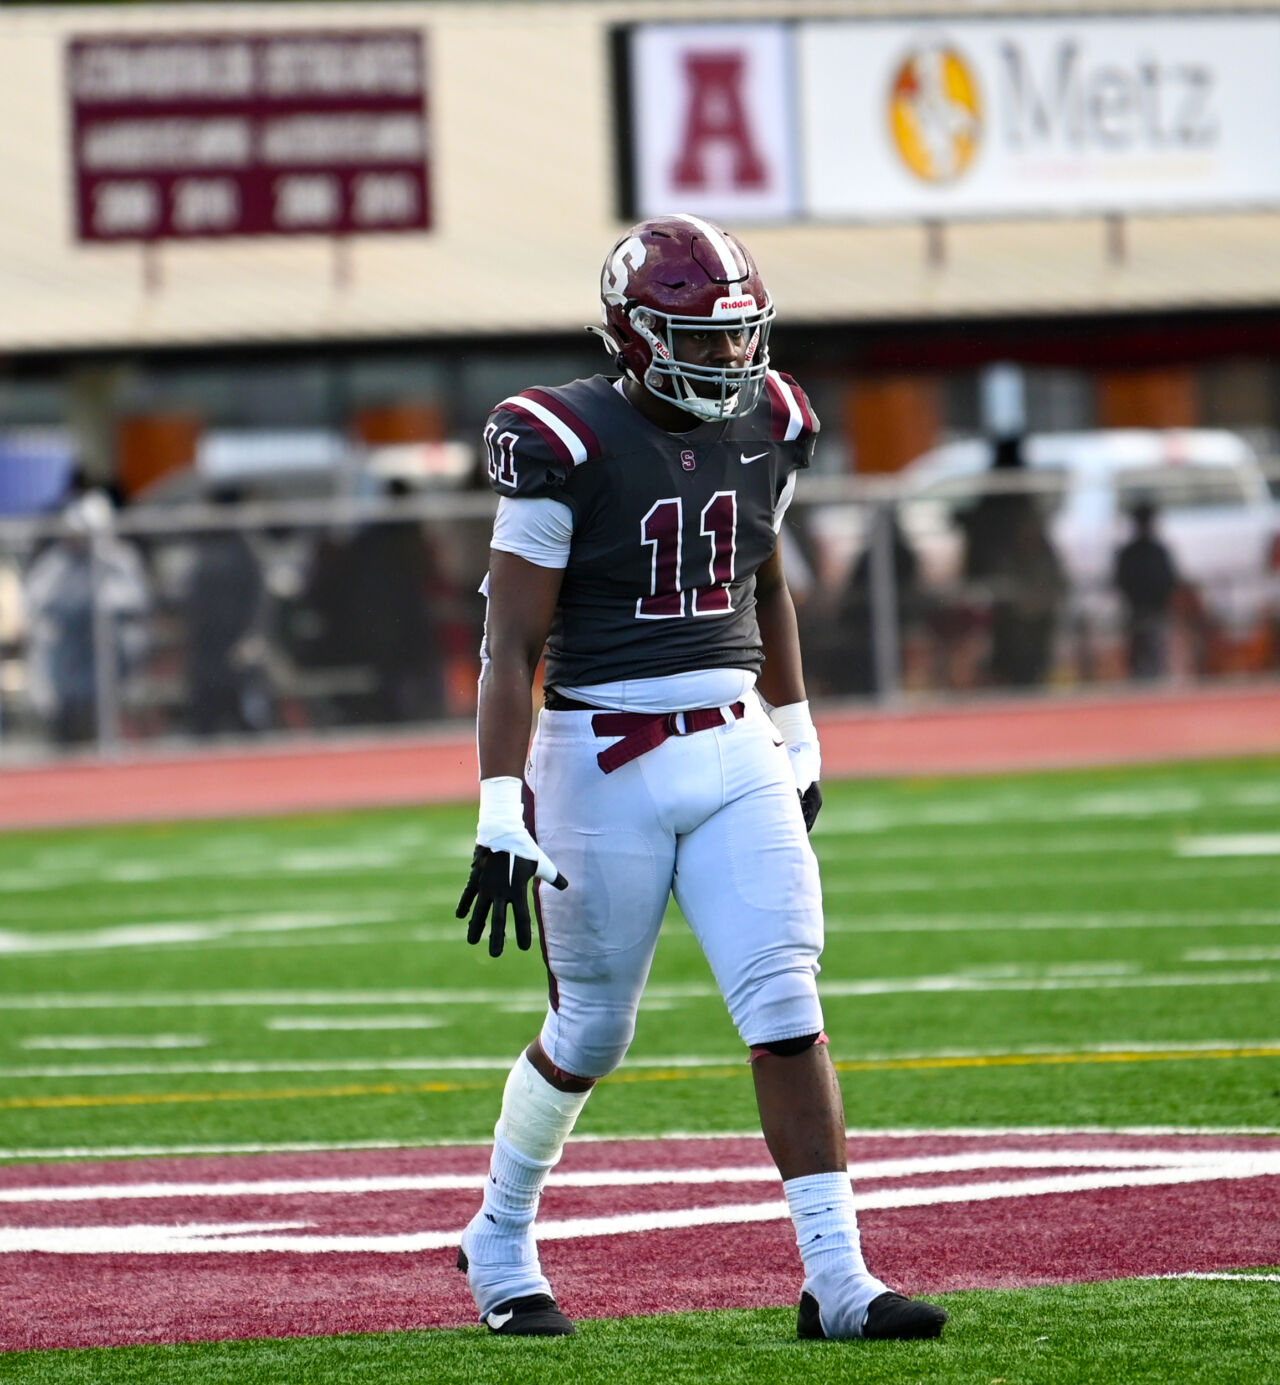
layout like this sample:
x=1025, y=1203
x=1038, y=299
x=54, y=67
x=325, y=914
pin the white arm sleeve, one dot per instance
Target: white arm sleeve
x=537, y=529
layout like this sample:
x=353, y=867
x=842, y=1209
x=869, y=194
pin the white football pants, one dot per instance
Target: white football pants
x=713, y=816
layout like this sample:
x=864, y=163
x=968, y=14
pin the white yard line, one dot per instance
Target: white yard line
x=241, y=1237
x=985, y=1159
x=13, y=943
x=325, y=1024
x=908, y=985
x=1065, y=922
x=99, y=1041
x=982, y=1132
x=1127, y=873
x=475, y=1063
x=1232, y=954
x=1237, y=844
x=951, y=983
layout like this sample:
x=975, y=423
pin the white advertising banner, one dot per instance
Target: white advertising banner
x=849, y=120
x=1039, y=116
x=713, y=121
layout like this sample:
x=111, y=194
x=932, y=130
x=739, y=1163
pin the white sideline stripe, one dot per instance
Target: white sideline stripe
x=985, y=1159
x=953, y=1132
x=889, y=985
x=1197, y=1274
x=502, y=1063
x=148, y=1239
x=795, y=422
x=577, y=448
x=1238, y=844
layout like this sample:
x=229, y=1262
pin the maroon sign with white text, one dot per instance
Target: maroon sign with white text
x=295, y=133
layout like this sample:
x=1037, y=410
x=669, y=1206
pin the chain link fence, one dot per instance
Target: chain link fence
x=183, y=624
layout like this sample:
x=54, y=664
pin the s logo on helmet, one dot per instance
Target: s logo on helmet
x=620, y=266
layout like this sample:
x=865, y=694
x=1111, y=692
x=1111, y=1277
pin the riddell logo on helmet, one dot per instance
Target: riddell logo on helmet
x=736, y=305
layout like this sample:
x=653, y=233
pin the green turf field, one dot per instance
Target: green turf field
x=1117, y=1333
x=1095, y=948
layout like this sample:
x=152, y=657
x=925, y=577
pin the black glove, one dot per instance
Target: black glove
x=499, y=879
x=810, y=805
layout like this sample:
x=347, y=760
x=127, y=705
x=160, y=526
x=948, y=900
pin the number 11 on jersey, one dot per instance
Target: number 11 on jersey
x=662, y=532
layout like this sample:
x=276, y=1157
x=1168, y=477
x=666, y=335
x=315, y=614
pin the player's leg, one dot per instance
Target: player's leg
x=747, y=881
x=598, y=938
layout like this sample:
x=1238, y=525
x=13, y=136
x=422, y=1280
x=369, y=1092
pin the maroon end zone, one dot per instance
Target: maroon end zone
x=318, y=1244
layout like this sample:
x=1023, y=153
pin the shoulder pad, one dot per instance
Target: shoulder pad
x=791, y=416
x=534, y=442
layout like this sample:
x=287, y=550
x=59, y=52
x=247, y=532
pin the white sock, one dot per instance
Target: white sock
x=822, y=1210
x=528, y=1140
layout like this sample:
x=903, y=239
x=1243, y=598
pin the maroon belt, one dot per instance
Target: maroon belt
x=643, y=731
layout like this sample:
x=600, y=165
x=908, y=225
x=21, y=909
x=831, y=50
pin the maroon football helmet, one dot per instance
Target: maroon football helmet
x=677, y=274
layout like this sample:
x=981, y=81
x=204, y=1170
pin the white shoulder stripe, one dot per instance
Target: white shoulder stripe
x=796, y=422
x=577, y=448
x=728, y=260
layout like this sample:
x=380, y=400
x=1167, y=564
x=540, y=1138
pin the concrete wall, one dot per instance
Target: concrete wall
x=524, y=197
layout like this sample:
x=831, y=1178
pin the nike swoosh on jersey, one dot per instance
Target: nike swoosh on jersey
x=755, y=456
x=497, y=1320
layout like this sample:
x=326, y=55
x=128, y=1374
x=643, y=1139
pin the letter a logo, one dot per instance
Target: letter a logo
x=716, y=118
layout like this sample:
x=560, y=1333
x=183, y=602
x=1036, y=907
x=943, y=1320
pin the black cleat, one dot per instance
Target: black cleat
x=809, y=1324
x=535, y=1315
x=891, y=1317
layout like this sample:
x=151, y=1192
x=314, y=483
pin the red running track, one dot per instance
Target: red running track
x=998, y=735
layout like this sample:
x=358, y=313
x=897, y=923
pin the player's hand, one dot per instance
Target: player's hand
x=800, y=737
x=505, y=860
x=810, y=804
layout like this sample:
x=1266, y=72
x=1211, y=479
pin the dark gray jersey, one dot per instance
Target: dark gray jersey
x=668, y=528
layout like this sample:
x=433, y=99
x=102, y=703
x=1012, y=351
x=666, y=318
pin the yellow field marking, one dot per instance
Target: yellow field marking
x=1020, y=1060
x=977, y=1060
x=44, y=1103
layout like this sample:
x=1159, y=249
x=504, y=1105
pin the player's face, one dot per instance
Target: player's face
x=724, y=347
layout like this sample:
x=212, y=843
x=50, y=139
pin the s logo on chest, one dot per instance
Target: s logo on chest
x=688, y=460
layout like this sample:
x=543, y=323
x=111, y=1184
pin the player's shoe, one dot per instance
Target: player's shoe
x=534, y=1315
x=890, y=1317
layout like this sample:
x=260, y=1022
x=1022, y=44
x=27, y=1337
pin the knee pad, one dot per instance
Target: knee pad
x=785, y=1003
x=587, y=1045
x=787, y=1048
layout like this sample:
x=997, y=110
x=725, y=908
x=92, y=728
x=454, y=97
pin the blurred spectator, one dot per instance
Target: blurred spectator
x=226, y=683
x=59, y=597
x=1008, y=553
x=1147, y=580
x=855, y=671
x=368, y=607
x=394, y=572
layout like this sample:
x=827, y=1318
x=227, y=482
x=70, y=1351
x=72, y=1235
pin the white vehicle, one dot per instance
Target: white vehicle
x=1214, y=511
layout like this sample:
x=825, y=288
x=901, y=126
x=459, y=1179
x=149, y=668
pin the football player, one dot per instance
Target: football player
x=636, y=539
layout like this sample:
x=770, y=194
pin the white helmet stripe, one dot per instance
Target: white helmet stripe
x=728, y=260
